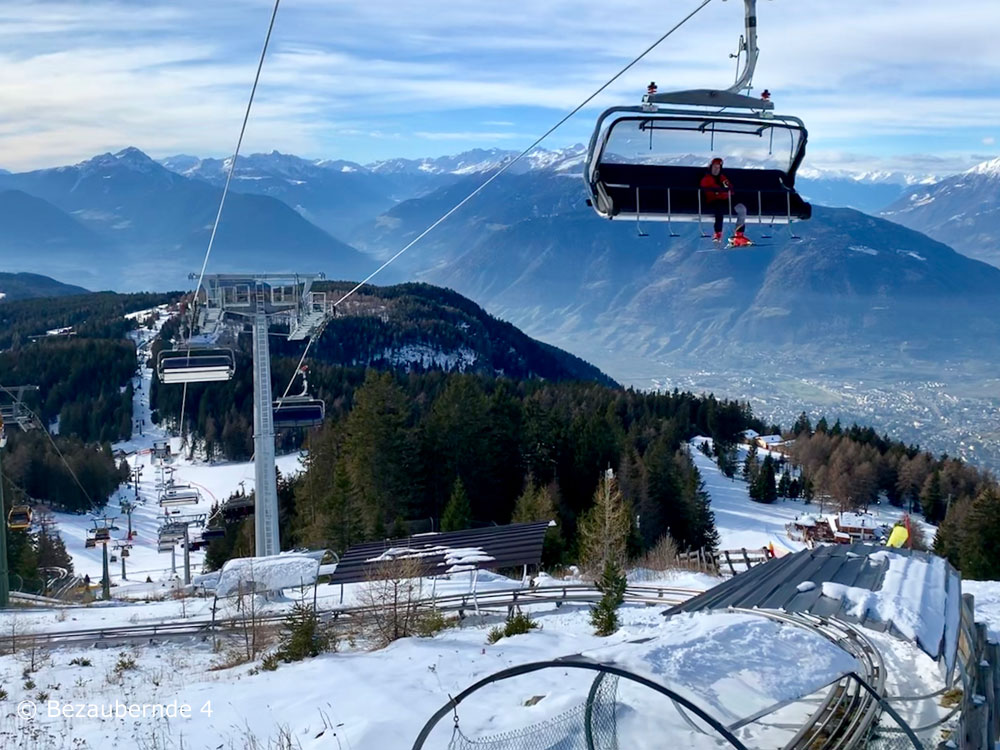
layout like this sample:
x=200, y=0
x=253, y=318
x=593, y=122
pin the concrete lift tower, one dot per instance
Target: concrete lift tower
x=262, y=298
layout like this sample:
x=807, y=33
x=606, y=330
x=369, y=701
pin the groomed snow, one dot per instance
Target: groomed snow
x=913, y=597
x=741, y=522
x=381, y=699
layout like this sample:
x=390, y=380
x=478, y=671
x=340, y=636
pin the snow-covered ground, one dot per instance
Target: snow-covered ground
x=732, y=664
x=214, y=481
x=744, y=523
x=380, y=699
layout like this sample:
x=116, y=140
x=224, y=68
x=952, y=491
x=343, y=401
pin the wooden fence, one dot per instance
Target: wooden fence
x=979, y=672
x=723, y=562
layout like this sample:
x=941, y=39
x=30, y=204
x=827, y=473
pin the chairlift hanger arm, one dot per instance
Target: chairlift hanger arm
x=750, y=48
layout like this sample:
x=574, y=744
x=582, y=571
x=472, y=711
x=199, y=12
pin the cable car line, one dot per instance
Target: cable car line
x=506, y=166
x=225, y=192
x=53, y=442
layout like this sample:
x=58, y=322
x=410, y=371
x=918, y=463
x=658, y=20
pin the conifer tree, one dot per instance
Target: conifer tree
x=611, y=584
x=751, y=465
x=604, y=529
x=458, y=512
x=978, y=546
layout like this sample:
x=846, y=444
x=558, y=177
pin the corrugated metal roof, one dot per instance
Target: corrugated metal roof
x=795, y=583
x=488, y=548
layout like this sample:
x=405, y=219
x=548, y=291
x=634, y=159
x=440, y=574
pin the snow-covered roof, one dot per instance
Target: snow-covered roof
x=750, y=434
x=770, y=439
x=912, y=595
x=259, y=574
x=513, y=545
x=858, y=521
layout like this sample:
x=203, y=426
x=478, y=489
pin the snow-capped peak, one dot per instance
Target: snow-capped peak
x=989, y=168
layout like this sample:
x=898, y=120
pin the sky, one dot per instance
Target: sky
x=888, y=84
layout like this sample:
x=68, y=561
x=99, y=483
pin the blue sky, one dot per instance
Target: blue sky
x=906, y=84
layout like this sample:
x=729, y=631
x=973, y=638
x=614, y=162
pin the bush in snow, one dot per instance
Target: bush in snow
x=391, y=598
x=303, y=635
x=517, y=624
x=604, y=616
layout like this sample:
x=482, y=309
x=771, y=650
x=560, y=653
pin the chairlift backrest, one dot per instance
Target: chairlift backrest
x=298, y=411
x=195, y=365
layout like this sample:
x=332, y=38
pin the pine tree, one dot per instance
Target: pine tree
x=784, y=486
x=538, y=504
x=604, y=529
x=612, y=584
x=458, y=512
x=931, y=498
x=751, y=465
x=979, y=557
x=802, y=425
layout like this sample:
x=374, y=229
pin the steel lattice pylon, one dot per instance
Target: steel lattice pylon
x=261, y=298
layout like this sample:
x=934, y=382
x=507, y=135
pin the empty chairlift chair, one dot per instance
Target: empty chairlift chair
x=19, y=518
x=195, y=365
x=179, y=495
x=299, y=411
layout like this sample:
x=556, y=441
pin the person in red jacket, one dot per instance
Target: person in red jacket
x=718, y=192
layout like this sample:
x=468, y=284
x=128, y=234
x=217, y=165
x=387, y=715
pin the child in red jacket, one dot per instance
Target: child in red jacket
x=718, y=194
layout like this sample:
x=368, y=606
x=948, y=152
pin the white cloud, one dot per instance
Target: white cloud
x=989, y=140
x=78, y=78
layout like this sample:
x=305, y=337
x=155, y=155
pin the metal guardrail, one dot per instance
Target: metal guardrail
x=461, y=603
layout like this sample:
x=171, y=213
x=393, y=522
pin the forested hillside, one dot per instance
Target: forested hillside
x=467, y=449
x=415, y=328
x=84, y=394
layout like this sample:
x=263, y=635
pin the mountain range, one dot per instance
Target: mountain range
x=528, y=249
x=962, y=210
x=124, y=220
x=17, y=286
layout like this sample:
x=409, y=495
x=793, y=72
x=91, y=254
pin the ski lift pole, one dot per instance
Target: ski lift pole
x=106, y=579
x=122, y=556
x=187, y=556
x=4, y=575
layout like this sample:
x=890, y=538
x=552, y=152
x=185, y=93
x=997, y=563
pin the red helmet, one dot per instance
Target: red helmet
x=717, y=160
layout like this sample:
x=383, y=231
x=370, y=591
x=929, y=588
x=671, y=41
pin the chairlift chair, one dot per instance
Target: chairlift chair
x=299, y=411
x=89, y=542
x=102, y=534
x=212, y=533
x=19, y=518
x=646, y=162
x=164, y=546
x=176, y=496
x=195, y=365
x=238, y=508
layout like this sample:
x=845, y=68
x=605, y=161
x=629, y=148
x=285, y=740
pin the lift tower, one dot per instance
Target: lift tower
x=261, y=299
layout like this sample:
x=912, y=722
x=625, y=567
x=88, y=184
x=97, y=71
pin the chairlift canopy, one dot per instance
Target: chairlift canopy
x=646, y=163
x=298, y=411
x=19, y=518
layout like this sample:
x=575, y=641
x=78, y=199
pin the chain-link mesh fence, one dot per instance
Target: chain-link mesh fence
x=588, y=726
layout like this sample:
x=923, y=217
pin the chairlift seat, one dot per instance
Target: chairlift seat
x=632, y=168
x=237, y=509
x=642, y=189
x=102, y=535
x=175, y=497
x=213, y=533
x=195, y=366
x=299, y=411
x=19, y=518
